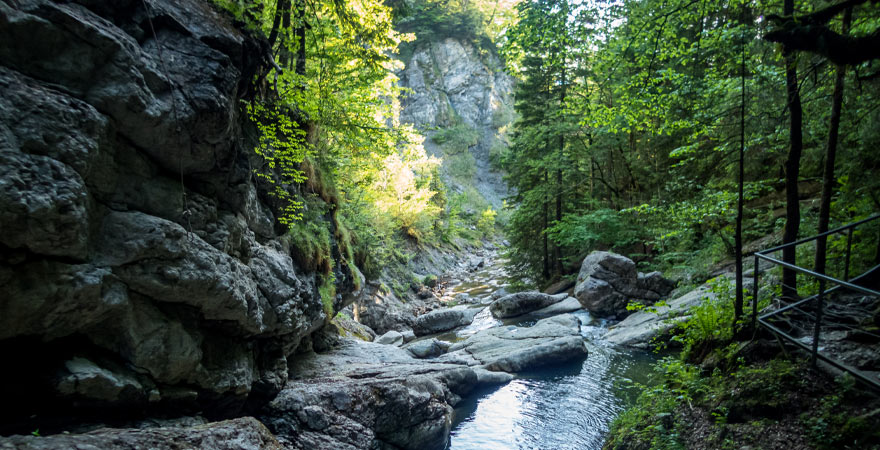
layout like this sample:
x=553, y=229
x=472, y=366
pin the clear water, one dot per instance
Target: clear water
x=564, y=407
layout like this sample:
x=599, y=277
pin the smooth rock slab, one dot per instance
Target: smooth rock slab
x=441, y=320
x=640, y=328
x=390, y=338
x=365, y=395
x=427, y=348
x=513, y=349
x=244, y=433
x=570, y=304
x=522, y=302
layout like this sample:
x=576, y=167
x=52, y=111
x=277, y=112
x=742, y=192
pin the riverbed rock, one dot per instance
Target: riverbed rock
x=522, y=302
x=608, y=282
x=640, y=328
x=570, y=304
x=244, y=433
x=365, y=395
x=390, y=338
x=513, y=349
x=559, y=287
x=381, y=310
x=427, y=348
x=350, y=328
x=445, y=319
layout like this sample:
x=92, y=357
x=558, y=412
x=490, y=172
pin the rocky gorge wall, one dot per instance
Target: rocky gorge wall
x=141, y=267
x=453, y=82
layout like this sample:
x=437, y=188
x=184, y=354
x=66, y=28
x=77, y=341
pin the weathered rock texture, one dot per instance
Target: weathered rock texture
x=444, y=320
x=368, y=396
x=552, y=340
x=139, y=260
x=239, y=434
x=639, y=329
x=523, y=302
x=607, y=282
x=453, y=82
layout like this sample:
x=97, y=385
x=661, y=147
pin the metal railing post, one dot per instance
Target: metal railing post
x=818, y=328
x=755, y=296
x=849, y=235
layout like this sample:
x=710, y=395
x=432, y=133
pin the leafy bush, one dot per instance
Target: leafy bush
x=583, y=233
x=486, y=224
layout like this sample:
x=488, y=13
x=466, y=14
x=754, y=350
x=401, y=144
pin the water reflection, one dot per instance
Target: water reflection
x=564, y=407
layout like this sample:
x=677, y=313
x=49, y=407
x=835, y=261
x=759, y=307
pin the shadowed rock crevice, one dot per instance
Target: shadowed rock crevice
x=132, y=224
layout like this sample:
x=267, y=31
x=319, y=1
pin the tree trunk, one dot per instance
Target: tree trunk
x=792, y=165
x=300, y=32
x=830, y=155
x=559, y=172
x=282, y=8
x=545, y=211
x=738, y=303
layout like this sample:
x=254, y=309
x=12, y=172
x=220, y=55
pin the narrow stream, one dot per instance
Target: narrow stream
x=563, y=407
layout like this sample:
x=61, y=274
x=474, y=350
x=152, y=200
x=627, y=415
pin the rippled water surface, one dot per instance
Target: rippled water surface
x=564, y=407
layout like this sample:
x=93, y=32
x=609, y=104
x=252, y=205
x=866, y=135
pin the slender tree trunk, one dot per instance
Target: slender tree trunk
x=559, y=161
x=300, y=32
x=282, y=8
x=544, y=213
x=738, y=303
x=792, y=165
x=283, y=50
x=830, y=156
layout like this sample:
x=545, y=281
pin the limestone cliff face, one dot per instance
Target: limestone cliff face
x=453, y=82
x=139, y=262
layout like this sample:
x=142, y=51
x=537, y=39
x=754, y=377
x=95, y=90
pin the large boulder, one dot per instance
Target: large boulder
x=513, y=349
x=427, y=348
x=608, y=282
x=381, y=310
x=446, y=319
x=522, y=302
x=366, y=396
x=244, y=433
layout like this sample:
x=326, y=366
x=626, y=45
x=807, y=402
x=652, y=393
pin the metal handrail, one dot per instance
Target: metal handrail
x=819, y=297
x=820, y=276
x=827, y=233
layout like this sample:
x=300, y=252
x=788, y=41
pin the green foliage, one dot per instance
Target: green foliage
x=478, y=21
x=311, y=240
x=456, y=139
x=327, y=292
x=833, y=426
x=604, y=228
x=486, y=223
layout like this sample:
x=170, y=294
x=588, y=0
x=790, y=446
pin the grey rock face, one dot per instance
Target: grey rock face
x=453, y=81
x=640, y=328
x=238, y=434
x=443, y=320
x=365, y=396
x=512, y=349
x=607, y=282
x=427, y=348
x=381, y=310
x=131, y=222
x=570, y=304
x=523, y=302
x=390, y=338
